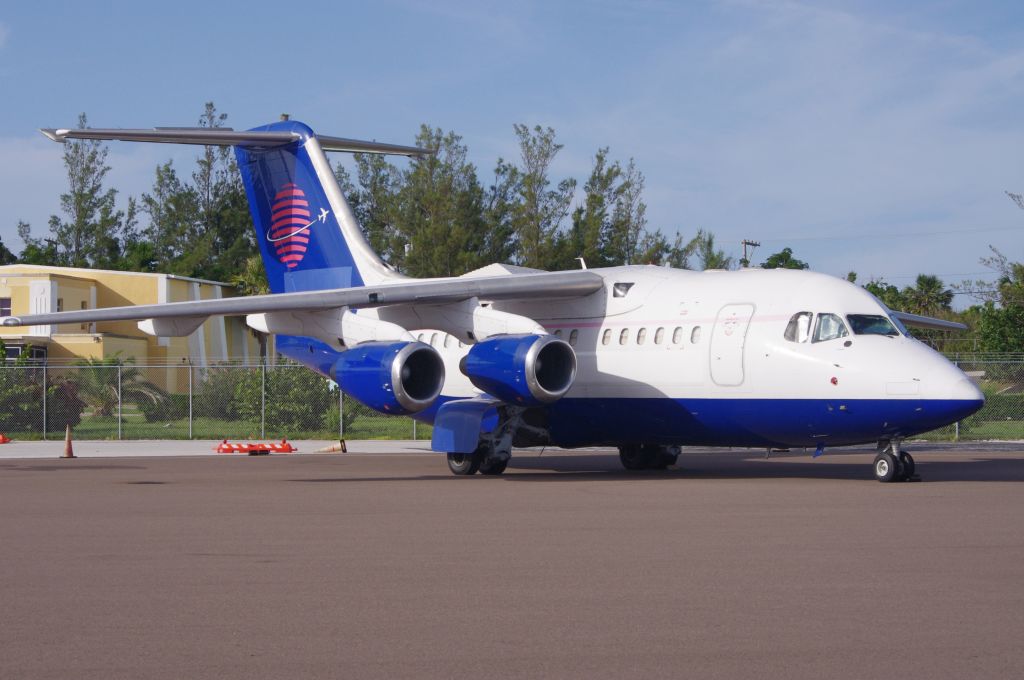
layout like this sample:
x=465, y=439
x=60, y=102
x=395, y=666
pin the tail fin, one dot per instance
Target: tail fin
x=307, y=234
x=308, y=237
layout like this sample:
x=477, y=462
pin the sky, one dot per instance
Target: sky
x=873, y=137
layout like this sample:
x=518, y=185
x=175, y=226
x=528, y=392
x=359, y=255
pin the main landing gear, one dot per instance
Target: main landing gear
x=647, y=456
x=487, y=460
x=892, y=464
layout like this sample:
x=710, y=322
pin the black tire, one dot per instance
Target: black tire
x=463, y=463
x=634, y=457
x=907, y=465
x=493, y=466
x=886, y=467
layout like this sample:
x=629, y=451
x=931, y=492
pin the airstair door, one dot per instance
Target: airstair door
x=727, y=340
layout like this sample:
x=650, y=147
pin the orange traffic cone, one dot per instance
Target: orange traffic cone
x=69, y=452
x=4, y=439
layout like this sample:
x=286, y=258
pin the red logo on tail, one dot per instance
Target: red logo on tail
x=290, y=221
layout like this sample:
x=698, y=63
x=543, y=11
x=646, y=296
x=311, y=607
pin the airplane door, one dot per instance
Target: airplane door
x=727, y=340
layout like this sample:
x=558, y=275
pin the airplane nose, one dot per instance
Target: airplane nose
x=963, y=398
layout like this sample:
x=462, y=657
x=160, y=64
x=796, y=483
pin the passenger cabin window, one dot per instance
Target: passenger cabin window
x=433, y=339
x=659, y=336
x=624, y=336
x=573, y=336
x=558, y=333
x=871, y=324
x=606, y=337
x=447, y=341
x=641, y=335
x=829, y=327
x=677, y=335
x=799, y=327
x=695, y=335
x=621, y=289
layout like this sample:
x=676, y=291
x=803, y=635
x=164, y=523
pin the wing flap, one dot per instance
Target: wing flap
x=527, y=286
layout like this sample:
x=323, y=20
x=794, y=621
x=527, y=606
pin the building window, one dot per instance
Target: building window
x=60, y=304
x=5, y=306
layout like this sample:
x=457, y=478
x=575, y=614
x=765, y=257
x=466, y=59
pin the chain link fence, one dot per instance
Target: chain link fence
x=187, y=402
x=286, y=400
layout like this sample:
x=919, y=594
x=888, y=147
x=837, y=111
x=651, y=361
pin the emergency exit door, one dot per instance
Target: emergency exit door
x=727, y=339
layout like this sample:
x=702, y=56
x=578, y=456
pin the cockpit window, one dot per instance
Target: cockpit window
x=799, y=327
x=871, y=324
x=829, y=327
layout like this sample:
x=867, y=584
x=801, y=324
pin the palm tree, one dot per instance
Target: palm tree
x=103, y=383
x=929, y=296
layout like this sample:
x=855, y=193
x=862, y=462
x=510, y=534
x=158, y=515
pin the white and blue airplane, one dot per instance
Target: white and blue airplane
x=642, y=358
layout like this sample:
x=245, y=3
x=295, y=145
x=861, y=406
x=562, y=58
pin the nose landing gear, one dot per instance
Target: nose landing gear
x=892, y=464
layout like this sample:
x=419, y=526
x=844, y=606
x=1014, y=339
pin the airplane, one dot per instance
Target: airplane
x=642, y=358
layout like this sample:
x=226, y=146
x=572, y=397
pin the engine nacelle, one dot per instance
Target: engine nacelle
x=397, y=378
x=528, y=370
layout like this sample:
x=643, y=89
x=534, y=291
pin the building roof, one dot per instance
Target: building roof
x=87, y=273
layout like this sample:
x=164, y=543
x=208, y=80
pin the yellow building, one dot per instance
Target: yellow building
x=32, y=289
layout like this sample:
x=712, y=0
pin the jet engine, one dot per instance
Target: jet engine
x=397, y=378
x=526, y=370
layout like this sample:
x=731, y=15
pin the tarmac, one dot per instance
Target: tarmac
x=158, y=561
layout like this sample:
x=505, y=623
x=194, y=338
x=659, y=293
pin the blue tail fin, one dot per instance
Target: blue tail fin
x=307, y=234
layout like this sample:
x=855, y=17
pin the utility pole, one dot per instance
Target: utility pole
x=745, y=262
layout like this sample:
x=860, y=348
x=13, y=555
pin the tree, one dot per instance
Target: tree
x=440, y=208
x=709, y=256
x=928, y=296
x=540, y=209
x=784, y=260
x=104, y=383
x=889, y=294
x=590, y=230
x=175, y=234
x=94, y=233
x=1001, y=316
x=6, y=256
x=375, y=204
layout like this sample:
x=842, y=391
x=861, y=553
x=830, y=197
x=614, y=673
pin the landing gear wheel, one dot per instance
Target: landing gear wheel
x=635, y=457
x=463, y=463
x=494, y=466
x=906, y=466
x=887, y=468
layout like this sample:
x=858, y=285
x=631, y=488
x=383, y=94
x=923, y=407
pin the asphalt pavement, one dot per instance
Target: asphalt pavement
x=378, y=563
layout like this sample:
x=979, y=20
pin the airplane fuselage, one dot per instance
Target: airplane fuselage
x=677, y=357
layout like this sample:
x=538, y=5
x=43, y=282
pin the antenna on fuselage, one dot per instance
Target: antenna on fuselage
x=583, y=265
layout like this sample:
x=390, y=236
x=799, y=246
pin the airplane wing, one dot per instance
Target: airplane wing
x=425, y=292
x=932, y=323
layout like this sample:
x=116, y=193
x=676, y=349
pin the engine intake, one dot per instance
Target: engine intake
x=529, y=370
x=392, y=377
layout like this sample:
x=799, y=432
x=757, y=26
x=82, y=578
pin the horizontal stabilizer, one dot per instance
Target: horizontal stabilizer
x=918, y=321
x=229, y=137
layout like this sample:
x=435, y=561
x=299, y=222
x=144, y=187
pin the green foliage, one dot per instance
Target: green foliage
x=93, y=232
x=296, y=399
x=104, y=383
x=784, y=260
x=710, y=257
x=1001, y=329
x=174, y=407
x=6, y=256
x=21, y=395
x=215, y=393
